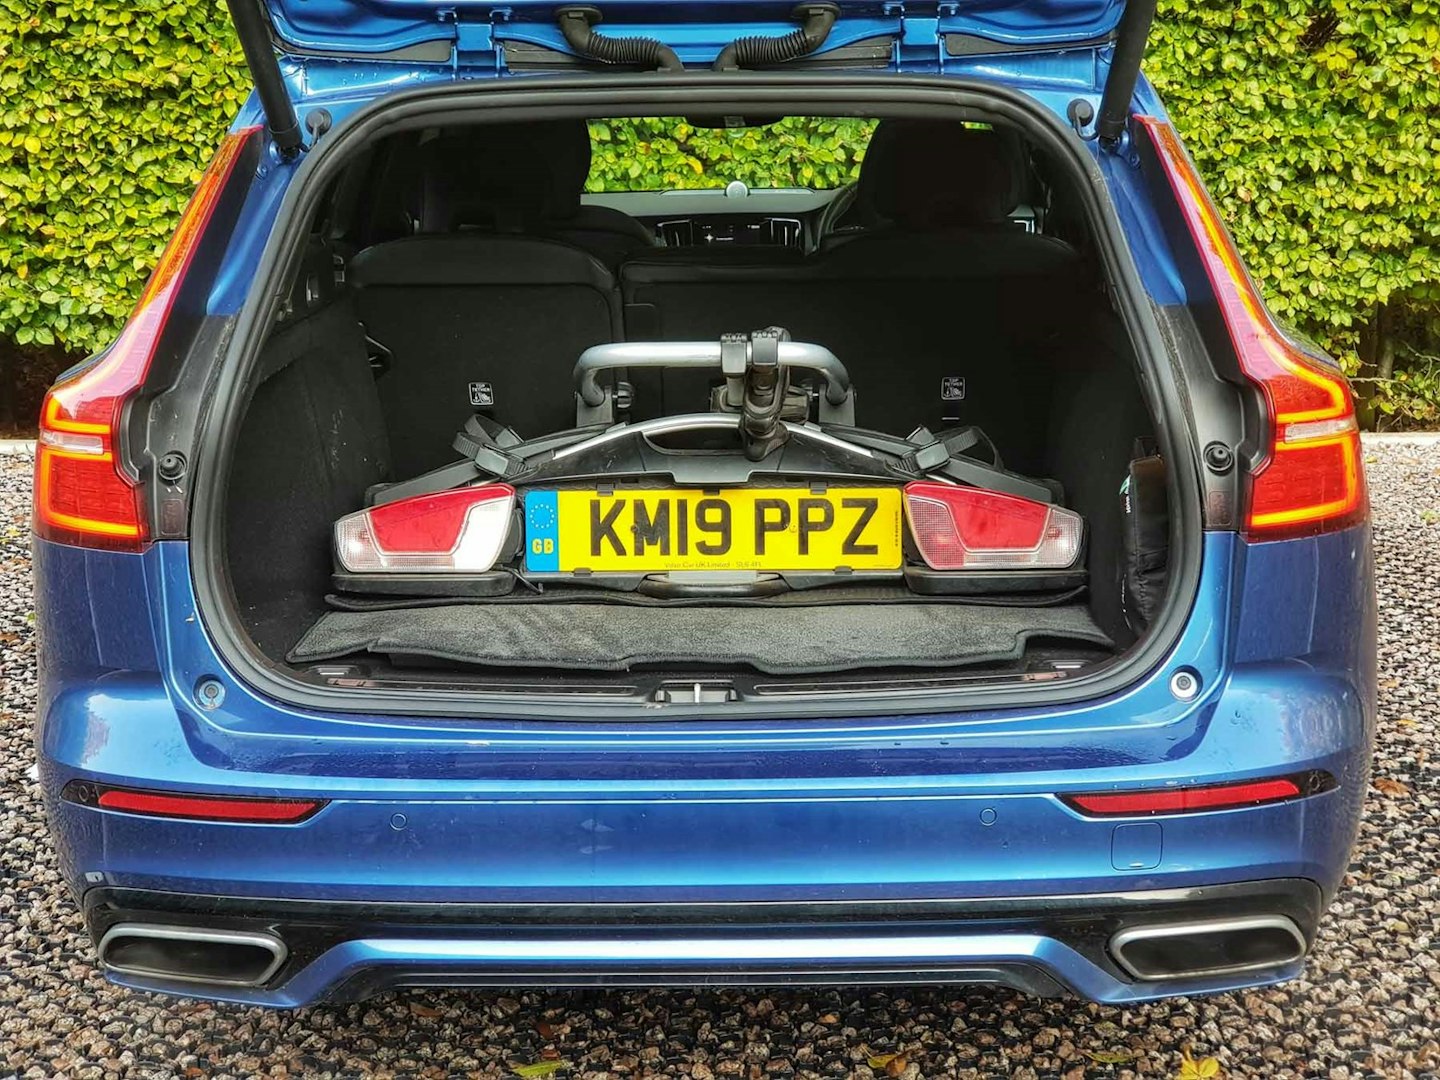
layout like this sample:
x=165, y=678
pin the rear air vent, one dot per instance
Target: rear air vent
x=731, y=232
x=678, y=233
x=783, y=232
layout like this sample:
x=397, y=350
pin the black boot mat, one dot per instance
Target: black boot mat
x=789, y=640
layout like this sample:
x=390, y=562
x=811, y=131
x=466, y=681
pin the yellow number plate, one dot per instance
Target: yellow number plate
x=653, y=531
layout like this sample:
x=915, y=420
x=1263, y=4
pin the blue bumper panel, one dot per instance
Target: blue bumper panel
x=931, y=805
x=688, y=849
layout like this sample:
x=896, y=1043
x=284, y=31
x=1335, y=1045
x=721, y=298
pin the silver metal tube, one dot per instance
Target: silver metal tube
x=665, y=425
x=700, y=354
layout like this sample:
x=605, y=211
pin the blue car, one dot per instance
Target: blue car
x=465, y=569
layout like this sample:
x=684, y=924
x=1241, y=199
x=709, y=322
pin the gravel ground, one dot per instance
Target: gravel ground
x=1369, y=1006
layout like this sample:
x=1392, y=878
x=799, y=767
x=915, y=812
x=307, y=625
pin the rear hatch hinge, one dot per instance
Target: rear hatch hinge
x=918, y=38
x=474, y=43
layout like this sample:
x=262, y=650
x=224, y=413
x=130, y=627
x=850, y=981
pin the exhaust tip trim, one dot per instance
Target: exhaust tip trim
x=1216, y=947
x=192, y=954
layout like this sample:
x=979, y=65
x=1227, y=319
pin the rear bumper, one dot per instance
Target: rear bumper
x=1014, y=890
x=1042, y=946
x=959, y=808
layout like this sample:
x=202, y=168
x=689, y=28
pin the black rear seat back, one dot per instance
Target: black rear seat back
x=481, y=310
x=479, y=322
x=698, y=294
x=963, y=298
x=609, y=234
x=521, y=178
x=922, y=345
x=938, y=312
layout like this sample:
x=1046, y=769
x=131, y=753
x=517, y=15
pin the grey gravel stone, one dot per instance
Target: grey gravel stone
x=1369, y=1004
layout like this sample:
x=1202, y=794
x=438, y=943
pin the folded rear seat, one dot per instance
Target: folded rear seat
x=476, y=312
x=479, y=322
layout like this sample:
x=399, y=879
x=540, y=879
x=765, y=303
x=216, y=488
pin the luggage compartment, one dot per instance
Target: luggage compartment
x=984, y=309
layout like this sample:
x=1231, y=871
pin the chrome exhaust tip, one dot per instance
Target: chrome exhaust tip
x=192, y=954
x=1215, y=947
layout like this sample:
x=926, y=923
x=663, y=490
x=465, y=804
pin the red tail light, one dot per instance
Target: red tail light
x=459, y=531
x=1189, y=800
x=83, y=492
x=1311, y=480
x=968, y=528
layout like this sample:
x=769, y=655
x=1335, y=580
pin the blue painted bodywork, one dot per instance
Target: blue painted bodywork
x=964, y=805
x=890, y=807
x=379, y=27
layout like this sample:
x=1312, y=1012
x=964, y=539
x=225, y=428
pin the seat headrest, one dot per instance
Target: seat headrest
x=504, y=177
x=926, y=174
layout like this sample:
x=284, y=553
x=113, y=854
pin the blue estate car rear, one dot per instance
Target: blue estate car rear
x=468, y=569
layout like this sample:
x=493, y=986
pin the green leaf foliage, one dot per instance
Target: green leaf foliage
x=1315, y=122
x=109, y=110
x=1317, y=127
x=659, y=153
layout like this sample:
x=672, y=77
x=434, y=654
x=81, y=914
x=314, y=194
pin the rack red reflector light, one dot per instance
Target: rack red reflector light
x=970, y=528
x=238, y=810
x=457, y=531
x=1182, y=800
x=1311, y=480
x=83, y=493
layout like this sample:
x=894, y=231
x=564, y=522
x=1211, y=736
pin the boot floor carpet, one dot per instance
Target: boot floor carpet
x=795, y=640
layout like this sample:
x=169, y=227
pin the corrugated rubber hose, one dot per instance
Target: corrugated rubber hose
x=576, y=24
x=757, y=52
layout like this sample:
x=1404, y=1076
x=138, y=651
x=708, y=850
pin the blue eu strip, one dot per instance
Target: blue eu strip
x=542, y=532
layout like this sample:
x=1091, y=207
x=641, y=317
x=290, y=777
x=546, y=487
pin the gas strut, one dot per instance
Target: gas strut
x=576, y=24
x=755, y=52
x=1130, y=39
x=254, y=34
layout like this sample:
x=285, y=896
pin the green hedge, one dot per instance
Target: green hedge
x=1317, y=125
x=111, y=108
x=664, y=153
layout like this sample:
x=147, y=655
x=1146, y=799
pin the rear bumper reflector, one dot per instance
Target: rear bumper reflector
x=233, y=809
x=1185, y=800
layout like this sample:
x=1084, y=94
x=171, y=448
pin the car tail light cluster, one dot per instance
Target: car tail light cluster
x=458, y=531
x=1311, y=480
x=84, y=493
x=969, y=528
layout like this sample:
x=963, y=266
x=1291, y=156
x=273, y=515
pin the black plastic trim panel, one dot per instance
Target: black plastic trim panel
x=1086, y=922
